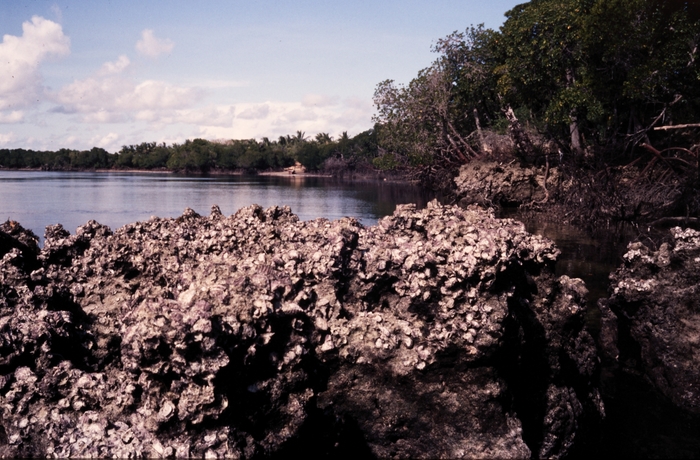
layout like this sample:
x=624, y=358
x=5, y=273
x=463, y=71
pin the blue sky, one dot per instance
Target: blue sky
x=79, y=74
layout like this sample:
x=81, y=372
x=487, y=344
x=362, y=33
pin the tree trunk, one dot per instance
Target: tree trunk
x=522, y=141
x=575, y=133
x=573, y=116
x=484, y=146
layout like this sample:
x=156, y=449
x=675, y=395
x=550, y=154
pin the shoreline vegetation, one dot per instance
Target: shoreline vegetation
x=281, y=173
x=291, y=154
x=602, y=96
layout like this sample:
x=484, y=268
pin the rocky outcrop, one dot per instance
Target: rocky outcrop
x=490, y=183
x=652, y=318
x=437, y=333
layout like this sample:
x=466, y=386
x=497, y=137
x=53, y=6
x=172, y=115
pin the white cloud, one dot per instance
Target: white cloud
x=281, y=118
x=151, y=46
x=221, y=84
x=208, y=116
x=104, y=116
x=16, y=116
x=118, y=66
x=295, y=115
x=7, y=138
x=159, y=95
x=20, y=81
x=221, y=116
x=114, y=98
x=255, y=112
x=108, y=142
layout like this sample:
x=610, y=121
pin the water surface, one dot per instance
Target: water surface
x=39, y=198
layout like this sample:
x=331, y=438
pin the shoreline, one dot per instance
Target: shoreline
x=375, y=177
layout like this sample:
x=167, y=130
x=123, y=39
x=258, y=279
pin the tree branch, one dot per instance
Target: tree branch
x=689, y=125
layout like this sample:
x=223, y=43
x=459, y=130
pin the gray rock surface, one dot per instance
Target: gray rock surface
x=490, y=183
x=437, y=333
x=652, y=318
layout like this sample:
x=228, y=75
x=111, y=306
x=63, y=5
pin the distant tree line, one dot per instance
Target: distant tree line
x=343, y=154
x=596, y=79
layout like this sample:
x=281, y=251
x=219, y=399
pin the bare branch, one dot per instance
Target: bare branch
x=689, y=125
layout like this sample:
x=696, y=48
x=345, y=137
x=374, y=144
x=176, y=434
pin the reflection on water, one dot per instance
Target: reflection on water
x=39, y=198
x=640, y=422
x=590, y=258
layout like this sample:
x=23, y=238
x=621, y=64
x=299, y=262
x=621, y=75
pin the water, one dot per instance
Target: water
x=590, y=258
x=36, y=199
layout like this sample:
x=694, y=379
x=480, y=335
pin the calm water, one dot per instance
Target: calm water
x=38, y=198
x=582, y=255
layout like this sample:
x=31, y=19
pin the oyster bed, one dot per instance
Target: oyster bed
x=652, y=318
x=436, y=333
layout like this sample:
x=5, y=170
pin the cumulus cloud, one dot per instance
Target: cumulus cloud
x=16, y=116
x=109, y=140
x=221, y=84
x=109, y=97
x=6, y=138
x=295, y=115
x=151, y=46
x=255, y=112
x=104, y=116
x=221, y=116
x=280, y=118
x=118, y=66
x=21, y=57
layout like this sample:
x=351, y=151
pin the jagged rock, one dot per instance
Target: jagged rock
x=490, y=183
x=652, y=318
x=439, y=332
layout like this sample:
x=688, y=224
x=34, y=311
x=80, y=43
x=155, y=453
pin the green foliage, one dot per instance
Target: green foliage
x=429, y=119
x=200, y=155
x=601, y=72
x=386, y=162
x=312, y=155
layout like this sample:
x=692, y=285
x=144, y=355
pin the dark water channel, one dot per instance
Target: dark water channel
x=640, y=422
x=585, y=256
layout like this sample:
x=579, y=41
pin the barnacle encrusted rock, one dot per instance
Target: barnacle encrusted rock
x=511, y=184
x=438, y=332
x=653, y=316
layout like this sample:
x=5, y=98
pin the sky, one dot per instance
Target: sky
x=80, y=74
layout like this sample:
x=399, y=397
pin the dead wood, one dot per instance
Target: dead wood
x=689, y=125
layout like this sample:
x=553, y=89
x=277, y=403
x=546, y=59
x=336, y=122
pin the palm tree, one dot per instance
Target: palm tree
x=300, y=137
x=323, y=138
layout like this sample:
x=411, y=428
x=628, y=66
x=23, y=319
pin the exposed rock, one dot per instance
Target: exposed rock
x=652, y=318
x=509, y=184
x=437, y=333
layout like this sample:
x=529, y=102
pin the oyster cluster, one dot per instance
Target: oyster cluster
x=439, y=332
x=491, y=183
x=652, y=318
